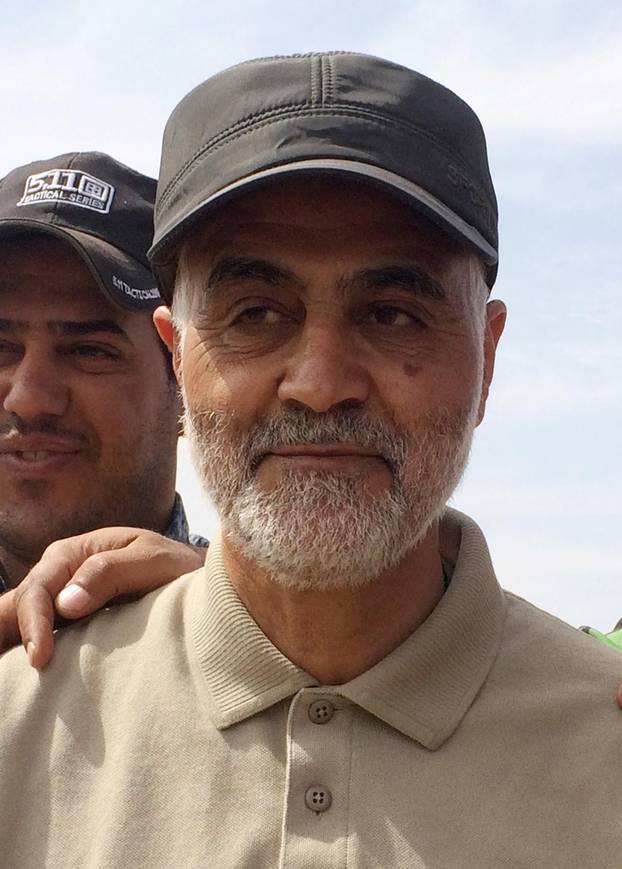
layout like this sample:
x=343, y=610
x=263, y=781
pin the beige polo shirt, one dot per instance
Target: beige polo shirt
x=171, y=733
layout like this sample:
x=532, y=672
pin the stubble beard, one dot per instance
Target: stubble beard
x=323, y=530
x=41, y=511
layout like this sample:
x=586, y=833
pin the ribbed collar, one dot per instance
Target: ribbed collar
x=423, y=688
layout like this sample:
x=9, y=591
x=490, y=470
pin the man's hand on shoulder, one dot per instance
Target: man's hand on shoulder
x=81, y=574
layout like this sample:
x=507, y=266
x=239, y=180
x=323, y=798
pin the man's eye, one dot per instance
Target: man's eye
x=8, y=349
x=91, y=351
x=389, y=315
x=258, y=315
x=91, y=357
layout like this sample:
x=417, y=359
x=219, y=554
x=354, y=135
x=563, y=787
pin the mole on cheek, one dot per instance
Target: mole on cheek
x=411, y=370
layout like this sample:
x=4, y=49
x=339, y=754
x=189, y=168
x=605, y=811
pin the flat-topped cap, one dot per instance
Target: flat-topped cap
x=333, y=112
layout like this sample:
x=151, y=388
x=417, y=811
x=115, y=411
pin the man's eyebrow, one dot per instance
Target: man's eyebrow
x=14, y=327
x=76, y=328
x=410, y=278
x=67, y=328
x=235, y=268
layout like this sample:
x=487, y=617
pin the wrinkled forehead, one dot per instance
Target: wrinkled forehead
x=325, y=221
x=322, y=204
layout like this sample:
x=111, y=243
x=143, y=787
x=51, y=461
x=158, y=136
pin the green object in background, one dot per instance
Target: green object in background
x=613, y=638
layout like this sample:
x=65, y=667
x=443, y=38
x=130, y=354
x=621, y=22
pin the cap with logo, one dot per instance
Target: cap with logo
x=102, y=208
x=334, y=112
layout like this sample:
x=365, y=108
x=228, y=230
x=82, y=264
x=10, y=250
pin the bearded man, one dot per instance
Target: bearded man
x=344, y=683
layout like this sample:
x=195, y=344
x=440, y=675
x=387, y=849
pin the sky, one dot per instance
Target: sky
x=545, y=78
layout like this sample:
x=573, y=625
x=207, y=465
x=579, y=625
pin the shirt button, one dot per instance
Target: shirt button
x=318, y=798
x=321, y=711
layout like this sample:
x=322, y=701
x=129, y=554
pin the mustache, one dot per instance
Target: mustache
x=290, y=427
x=15, y=425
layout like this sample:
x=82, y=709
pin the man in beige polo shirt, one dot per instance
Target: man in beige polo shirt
x=344, y=684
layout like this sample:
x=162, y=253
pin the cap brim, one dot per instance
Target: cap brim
x=163, y=255
x=123, y=280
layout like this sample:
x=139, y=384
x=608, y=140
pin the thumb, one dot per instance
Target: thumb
x=146, y=563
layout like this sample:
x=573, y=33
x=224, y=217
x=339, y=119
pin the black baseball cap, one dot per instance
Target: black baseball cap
x=334, y=112
x=102, y=208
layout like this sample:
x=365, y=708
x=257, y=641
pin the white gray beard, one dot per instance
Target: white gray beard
x=324, y=530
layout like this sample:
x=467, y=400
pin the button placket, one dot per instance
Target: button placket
x=315, y=826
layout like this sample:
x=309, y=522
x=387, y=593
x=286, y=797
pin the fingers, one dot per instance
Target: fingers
x=101, y=579
x=35, y=617
x=77, y=576
x=27, y=612
x=9, y=630
x=146, y=563
x=95, y=582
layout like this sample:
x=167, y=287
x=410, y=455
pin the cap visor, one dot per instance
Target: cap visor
x=163, y=255
x=122, y=279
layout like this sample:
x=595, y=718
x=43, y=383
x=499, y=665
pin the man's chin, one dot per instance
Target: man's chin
x=274, y=469
x=323, y=534
x=31, y=528
x=323, y=486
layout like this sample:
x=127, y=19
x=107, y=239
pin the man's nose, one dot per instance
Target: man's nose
x=324, y=368
x=33, y=388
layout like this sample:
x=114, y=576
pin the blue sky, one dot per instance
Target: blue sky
x=546, y=80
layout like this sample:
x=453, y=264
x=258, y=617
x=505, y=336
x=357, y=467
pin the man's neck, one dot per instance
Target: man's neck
x=337, y=635
x=14, y=565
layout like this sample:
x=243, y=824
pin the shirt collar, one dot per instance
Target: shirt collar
x=423, y=688
x=243, y=671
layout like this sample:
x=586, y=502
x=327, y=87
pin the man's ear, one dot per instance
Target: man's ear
x=496, y=315
x=165, y=328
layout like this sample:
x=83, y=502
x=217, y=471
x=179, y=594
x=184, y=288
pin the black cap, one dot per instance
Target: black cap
x=330, y=112
x=103, y=209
